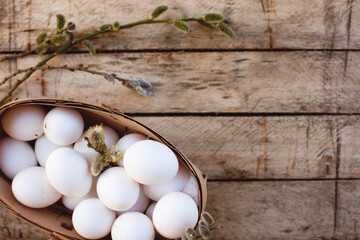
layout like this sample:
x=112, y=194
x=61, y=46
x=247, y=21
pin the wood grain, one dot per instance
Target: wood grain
x=349, y=153
x=309, y=82
x=296, y=159
x=13, y=228
x=256, y=210
x=294, y=147
x=273, y=210
x=261, y=24
x=347, y=226
x=256, y=147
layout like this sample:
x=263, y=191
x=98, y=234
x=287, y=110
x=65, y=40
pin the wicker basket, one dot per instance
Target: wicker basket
x=55, y=220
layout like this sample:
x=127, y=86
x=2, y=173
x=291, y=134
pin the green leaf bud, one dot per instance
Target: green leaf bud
x=158, y=11
x=227, y=30
x=90, y=47
x=207, y=25
x=60, y=21
x=213, y=18
x=41, y=38
x=42, y=48
x=182, y=26
x=59, y=39
x=115, y=26
x=105, y=27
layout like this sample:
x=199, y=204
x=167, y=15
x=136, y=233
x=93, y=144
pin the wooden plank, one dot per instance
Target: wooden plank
x=353, y=25
x=297, y=147
x=208, y=82
x=349, y=153
x=347, y=224
x=273, y=210
x=12, y=228
x=262, y=24
x=251, y=210
x=255, y=147
x=6, y=22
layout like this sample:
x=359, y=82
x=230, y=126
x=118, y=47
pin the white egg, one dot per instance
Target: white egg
x=173, y=213
x=132, y=226
x=43, y=148
x=176, y=184
x=71, y=202
x=150, y=162
x=68, y=172
x=117, y=190
x=111, y=137
x=92, y=220
x=126, y=141
x=63, y=126
x=192, y=189
x=141, y=204
x=24, y=123
x=15, y=156
x=32, y=188
x=150, y=210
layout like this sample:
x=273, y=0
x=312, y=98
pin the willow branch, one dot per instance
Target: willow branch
x=74, y=43
x=16, y=55
x=95, y=33
x=66, y=67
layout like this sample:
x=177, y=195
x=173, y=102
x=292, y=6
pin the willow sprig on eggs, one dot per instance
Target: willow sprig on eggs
x=64, y=39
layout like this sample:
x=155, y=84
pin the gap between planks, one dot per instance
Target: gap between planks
x=202, y=50
x=284, y=180
x=235, y=114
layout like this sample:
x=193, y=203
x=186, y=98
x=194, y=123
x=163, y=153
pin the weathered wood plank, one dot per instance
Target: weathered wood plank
x=208, y=82
x=6, y=21
x=262, y=24
x=347, y=225
x=349, y=153
x=255, y=210
x=353, y=25
x=273, y=210
x=12, y=228
x=255, y=147
x=299, y=147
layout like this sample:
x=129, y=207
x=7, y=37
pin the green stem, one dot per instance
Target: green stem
x=74, y=43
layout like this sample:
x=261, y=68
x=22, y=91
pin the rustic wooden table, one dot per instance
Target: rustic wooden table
x=272, y=117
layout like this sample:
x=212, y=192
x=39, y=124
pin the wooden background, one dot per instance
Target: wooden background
x=272, y=118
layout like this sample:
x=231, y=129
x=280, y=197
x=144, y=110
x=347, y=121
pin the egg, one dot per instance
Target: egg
x=68, y=172
x=141, y=204
x=15, y=156
x=126, y=141
x=150, y=210
x=111, y=137
x=71, y=202
x=192, y=189
x=43, y=148
x=32, y=188
x=173, y=213
x=132, y=226
x=117, y=190
x=150, y=162
x=176, y=184
x=92, y=220
x=24, y=123
x=63, y=126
